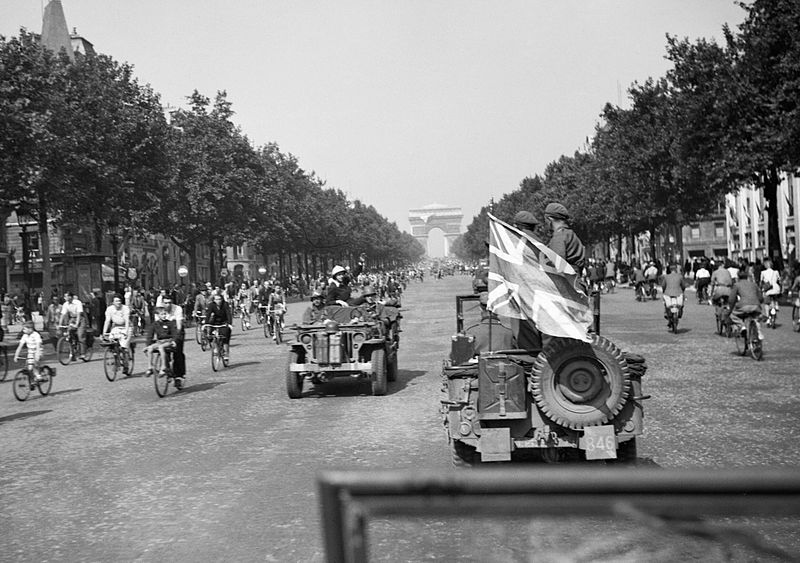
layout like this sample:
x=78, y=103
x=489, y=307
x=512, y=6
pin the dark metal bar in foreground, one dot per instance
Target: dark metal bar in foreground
x=348, y=499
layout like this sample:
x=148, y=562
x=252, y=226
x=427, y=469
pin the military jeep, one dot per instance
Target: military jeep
x=570, y=400
x=359, y=342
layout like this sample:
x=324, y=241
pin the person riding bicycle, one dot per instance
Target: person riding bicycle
x=175, y=313
x=770, y=281
x=316, y=312
x=673, y=286
x=74, y=317
x=277, y=304
x=201, y=301
x=244, y=300
x=721, y=283
x=745, y=300
x=219, y=313
x=651, y=275
x=702, y=279
x=118, y=323
x=138, y=306
x=162, y=336
x=33, y=341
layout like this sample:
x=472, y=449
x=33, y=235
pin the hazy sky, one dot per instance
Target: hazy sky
x=399, y=103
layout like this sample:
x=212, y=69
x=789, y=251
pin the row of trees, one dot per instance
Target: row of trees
x=723, y=117
x=84, y=144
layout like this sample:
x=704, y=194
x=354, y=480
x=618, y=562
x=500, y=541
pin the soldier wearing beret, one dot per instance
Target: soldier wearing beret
x=527, y=223
x=564, y=241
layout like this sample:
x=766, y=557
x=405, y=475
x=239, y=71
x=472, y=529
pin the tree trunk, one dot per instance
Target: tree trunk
x=44, y=246
x=774, y=251
x=212, y=270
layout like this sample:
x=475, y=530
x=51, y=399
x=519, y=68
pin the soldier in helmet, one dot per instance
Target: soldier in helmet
x=316, y=312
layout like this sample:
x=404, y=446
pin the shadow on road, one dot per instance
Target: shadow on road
x=339, y=387
x=64, y=392
x=197, y=388
x=242, y=364
x=21, y=415
x=405, y=377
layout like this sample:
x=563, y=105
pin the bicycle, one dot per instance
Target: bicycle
x=199, y=333
x=747, y=338
x=275, y=322
x=218, y=349
x=652, y=290
x=115, y=357
x=722, y=312
x=161, y=381
x=68, y=348
x=796, y=313
x=673, y=314
x=641, y=292
x=261, y=313
x=25, y=381
x=244, y=315
x=772, y=314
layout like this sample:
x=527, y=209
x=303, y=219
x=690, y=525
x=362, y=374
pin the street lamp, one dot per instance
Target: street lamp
x=113, y=230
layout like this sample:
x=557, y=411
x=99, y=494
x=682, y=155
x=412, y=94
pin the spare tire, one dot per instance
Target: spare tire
x=579, y=384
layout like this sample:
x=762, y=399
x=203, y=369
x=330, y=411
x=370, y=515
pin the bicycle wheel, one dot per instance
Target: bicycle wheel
x=22, y=385
x=3, y=365
x=198, y=334
x=278, y=332
x=88, y=353
x=216, y=356
x=796, y=318
x=63, y=351
x=755, y=343
x=45, y=382
x=225, y=350
x=110, y=363
x=266, y=328
x=244, y=322
x=127, y=359
x=739, y=340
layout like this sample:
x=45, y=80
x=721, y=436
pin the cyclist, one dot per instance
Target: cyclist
x=244, y=301
x=277, y=305
x=33, y=341
x=673, y=285
x=651, y=275
x=73, y=316
x=316, y=312
x=138, y=306
x=702, y=279
x=175, y=313
x=201, y=301
x=118, y=323
x=637, y=276
x=219, y=313
x=162, y=336
x=770, y=281
x=721, y=283
x=745, y=300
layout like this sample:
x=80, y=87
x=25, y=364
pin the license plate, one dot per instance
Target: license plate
x=599, y=442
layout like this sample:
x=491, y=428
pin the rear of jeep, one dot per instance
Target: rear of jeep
x=348, y=344
x=570, y=400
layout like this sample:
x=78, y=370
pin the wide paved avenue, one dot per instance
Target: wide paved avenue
x=225, y=470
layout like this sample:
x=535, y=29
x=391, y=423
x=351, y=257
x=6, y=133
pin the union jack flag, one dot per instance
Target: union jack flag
x=527, y=280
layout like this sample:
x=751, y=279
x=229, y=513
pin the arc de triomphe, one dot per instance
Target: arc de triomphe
x=445, y=217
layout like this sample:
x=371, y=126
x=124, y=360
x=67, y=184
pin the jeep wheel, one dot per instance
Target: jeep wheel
x=391, y=367
x=464, y=455
x=294, y=380
x=378, y=377
x=580, y=384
